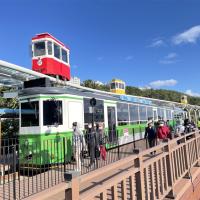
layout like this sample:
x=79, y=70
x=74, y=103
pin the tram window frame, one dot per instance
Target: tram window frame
x=151, y=110
x=143, y=118
x=66, y=55
x=50, y=47
x=122, y=118
x=39, y=52
x=116, y=85
x=98, y=111
x=132, y=112
x=29, y=120
x=57, y=53
x=54, y=119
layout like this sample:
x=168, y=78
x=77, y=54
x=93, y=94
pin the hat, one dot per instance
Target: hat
x=149, y=122
x=74, y=124
x=161, y=122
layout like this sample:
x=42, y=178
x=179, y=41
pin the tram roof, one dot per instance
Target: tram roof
x=96, y=94
x=12, y=75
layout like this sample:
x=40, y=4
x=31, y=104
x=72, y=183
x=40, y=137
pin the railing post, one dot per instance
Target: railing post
x=170, y=180
x=64, y=151
x=139, y=175
x=14, y=171
x=72, y=178
x=187, y=160
x=133, y=132
x=197, y=150
x=118, y=148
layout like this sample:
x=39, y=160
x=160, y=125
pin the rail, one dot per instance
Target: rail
x=145, y=175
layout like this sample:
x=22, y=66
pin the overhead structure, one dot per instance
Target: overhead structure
x=12, y=75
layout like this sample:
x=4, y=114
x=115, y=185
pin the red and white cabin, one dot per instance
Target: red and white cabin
x=50, y=56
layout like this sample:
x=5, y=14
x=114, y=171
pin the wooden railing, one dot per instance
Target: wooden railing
x=141, y=176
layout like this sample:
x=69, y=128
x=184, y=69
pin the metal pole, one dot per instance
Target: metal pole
x=93, y=118
x=14, y=171
x=133, y=131
x=0, y=135
x=64, y=152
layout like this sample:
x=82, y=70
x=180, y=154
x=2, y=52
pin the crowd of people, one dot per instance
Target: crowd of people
x=92, y=142
x=156, y=133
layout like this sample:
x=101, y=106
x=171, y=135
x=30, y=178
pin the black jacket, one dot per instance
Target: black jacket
x=150, y=133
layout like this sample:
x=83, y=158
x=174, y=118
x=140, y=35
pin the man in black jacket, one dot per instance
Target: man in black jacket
x=150, y=134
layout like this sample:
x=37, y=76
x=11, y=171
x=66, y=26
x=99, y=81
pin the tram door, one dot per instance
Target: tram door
x=112, y=133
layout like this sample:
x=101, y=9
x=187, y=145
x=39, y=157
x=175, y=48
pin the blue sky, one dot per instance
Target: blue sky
x=147, y=43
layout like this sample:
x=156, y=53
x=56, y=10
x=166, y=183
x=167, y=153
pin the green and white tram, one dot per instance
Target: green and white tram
x=47, y=114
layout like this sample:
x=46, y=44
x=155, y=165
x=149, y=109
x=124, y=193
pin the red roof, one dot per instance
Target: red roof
x=47, y=35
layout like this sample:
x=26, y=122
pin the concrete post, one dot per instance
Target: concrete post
x=72, y=178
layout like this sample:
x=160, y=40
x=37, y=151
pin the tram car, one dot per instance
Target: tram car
x=47, y=114
x=117, y=86
x=50, y=56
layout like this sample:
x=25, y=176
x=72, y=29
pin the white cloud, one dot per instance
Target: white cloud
x=189, y=36
x=99, y=83
x=145, y=88
x=171, y=56
x=157, y=43
x=129, y=58
x=162, y=83
x=195, y=94
x=169, y=59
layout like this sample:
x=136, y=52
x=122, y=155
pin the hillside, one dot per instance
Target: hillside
x=168, y=95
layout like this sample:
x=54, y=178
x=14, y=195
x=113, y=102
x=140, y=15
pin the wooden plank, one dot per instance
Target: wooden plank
x=124, y=189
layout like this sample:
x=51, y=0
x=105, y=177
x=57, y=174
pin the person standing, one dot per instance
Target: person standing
x=101, y=139
x=162, y=132
x=150, y=134
x=78, y=144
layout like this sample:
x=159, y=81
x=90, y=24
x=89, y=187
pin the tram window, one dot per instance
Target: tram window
x=149, y=113
x=133, y=112
x=123, y=86
x=168, y=114
x=30, y=114
x=56, y=51
x=64, y=55
x=52, y=113
x=49, y=47
x=160, y=113
x=116, y=85
x=122, y=112
x=112, y=85
x=120, y=86
x=39, y=49
x=143, y=113
x=98, y=111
